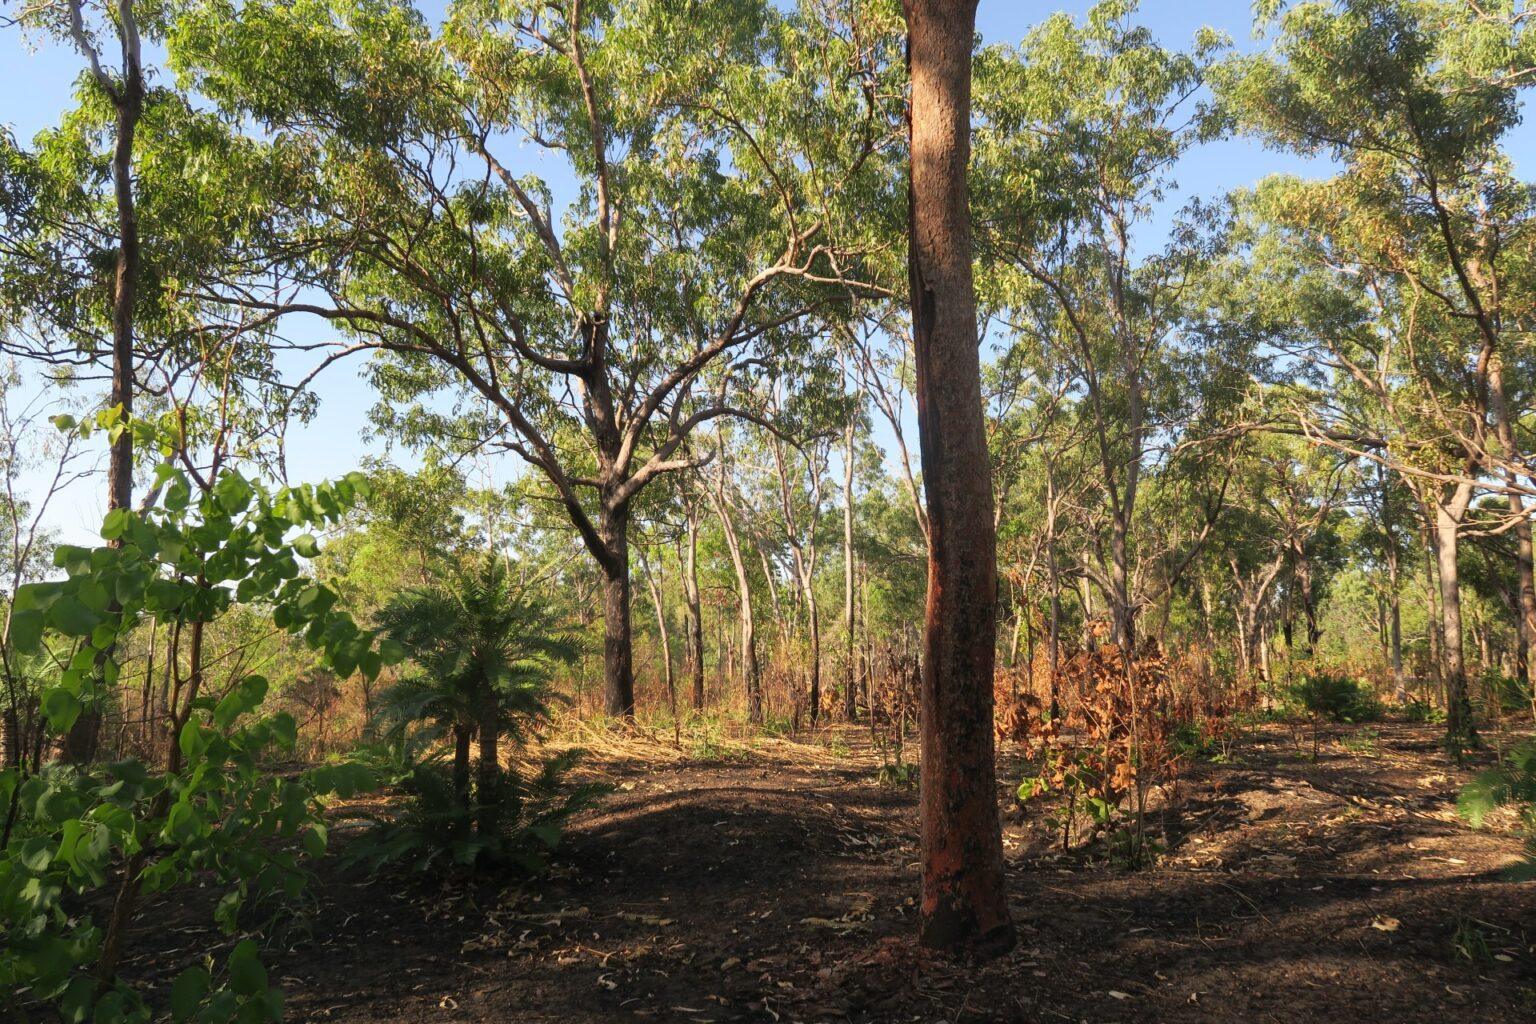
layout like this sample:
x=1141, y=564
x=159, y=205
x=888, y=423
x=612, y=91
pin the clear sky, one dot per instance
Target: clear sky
x=36, y=82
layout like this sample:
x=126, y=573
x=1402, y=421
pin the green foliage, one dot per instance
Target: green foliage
x=1511, y=784
x=214, y=812
x=897, y=775
x=431, y=828
x=1338, y=698
x=1196, y=740
x=1366, y=742
x=1508, y=693
x=1423, y=712
x=483, y=647
x=1470, y=941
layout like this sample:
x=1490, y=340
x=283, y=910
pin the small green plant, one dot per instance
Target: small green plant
x=1470, y=942
x=897, y=775
x=1366, y=742
x=1511, y=784
x=711, y=744
x=432, y=828
x=1337, y=698
x=777, y=725
x=1194, y=741
x=1422, y=712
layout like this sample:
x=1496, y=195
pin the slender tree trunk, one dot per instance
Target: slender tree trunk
x=1395, y=626
x=1460, y=732
x=751, y=674
x=850, y=694
x=653, y=582
x=1436, y=627
x=618, y=634
x=127, y=96
x=1525, y=573
x=964, y=898
x=130, y=107
x=1120, y=583
x=813, y=623
x=692, y=607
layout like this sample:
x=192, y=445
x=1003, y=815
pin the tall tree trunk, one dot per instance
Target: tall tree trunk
x=653, y=583
x=1308, y=602
x=1120, y=590
x=693, y=608
x=1460, y=732
x=1395, y=625
x=850, y=695
x=752, y=676
x=813, y=618
x=1525, y=572
x=127, y=97
x=618, y=634
x=1436, y=624
x=964, y=897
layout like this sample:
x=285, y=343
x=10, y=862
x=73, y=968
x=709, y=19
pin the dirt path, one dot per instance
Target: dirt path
x=777, y=884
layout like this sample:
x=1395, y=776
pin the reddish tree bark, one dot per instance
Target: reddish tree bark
x=964, y=899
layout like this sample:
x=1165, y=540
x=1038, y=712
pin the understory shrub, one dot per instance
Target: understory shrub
x=1423, y=712
x=213, y=813
x=1338, y=698
x=1510, y=784
x=483, y=650
x=429, y=827
x=1507, y=694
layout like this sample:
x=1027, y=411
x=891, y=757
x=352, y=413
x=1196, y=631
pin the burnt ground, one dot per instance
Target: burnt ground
x=776, y=883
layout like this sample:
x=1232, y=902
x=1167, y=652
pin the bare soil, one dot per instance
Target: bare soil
x=776, y=883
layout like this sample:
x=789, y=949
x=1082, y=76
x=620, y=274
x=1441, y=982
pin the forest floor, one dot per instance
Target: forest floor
x=774, y=881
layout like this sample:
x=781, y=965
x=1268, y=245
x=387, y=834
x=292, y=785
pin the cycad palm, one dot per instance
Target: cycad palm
x=484, y=649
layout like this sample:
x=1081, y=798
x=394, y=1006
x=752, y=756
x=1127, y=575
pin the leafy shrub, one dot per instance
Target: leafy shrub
x=1423, y=712
x=1511, y=784
x=1195, y=740
x=213, y=812
x=897, y=775
x=1337, y=698
x=1508, y=693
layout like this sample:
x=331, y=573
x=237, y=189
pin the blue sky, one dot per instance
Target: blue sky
x=39, y=79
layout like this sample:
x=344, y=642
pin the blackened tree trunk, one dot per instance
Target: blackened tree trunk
x=964, y=902
x=488, y=770
x=462, y=734
x=618, y=647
